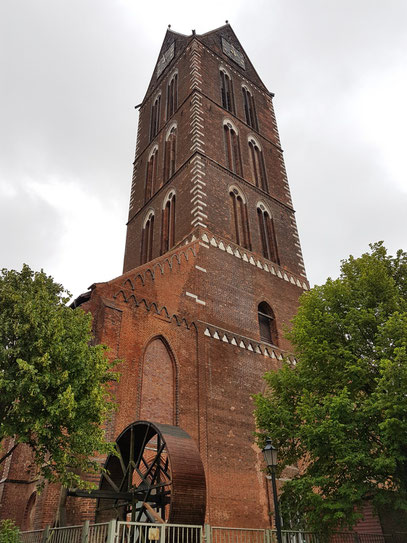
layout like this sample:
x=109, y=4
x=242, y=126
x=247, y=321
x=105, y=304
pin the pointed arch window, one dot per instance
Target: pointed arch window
x=168, y=223
x=267, y=323
x=226, y=90
x=240, y=223
x=267, y=234
x=170, y=153
x=155, y=117
x=259, y=170
x=151, y=174
x=147, y=237
x=250, y=108
x=233, y=158
x=172, y=96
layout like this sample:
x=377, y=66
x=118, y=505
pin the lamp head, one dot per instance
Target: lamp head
x=270, y=454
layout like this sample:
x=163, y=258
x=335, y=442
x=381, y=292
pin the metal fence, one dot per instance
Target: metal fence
x=140, y=532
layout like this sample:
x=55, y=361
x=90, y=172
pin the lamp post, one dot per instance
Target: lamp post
x=270, y=456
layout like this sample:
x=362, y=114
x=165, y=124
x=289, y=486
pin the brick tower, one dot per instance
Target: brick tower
x=212, y=270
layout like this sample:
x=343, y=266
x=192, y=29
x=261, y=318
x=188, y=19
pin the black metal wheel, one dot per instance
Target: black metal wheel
x=157, y=476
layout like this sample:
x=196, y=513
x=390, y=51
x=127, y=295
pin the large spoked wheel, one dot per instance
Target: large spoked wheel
x=157, y=476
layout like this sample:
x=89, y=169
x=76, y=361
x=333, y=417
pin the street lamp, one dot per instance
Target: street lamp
x=270, y=456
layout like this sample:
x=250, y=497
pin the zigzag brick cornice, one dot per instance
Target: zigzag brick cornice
x=212, y=240
x=139, y=275
x=243, y=342
x=153, y=306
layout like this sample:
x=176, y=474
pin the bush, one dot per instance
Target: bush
x=9, y=533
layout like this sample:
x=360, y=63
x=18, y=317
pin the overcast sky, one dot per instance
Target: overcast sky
x=71, y=72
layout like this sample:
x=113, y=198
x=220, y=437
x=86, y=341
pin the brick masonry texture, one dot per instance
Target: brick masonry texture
x=185, y=323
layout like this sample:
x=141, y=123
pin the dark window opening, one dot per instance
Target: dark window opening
x=147, y=237
x=155, y=117
x=240, y=223
x=250, y=109
x=168, y=225
x=259, y=170
x=233, y=158
x=267, y=235
x=226, y=89
x=267, y=324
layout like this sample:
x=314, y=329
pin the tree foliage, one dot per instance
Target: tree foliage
x=9, y=533
x=340, y=412
x=54, y=385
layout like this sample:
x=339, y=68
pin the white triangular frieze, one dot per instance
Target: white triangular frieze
x=207, y=333
x=216, y=335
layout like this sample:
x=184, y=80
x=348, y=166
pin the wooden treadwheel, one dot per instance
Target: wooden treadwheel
x=157, y=476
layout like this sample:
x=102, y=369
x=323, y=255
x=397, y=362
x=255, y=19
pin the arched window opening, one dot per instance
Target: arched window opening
x=267, y=234
x=233, y=158
x=240, y=223
x=259, y=170
x=169, y=153
x=168, y=224
x=28, y=521
x=158, y=372
x=147, y=237
x=151, y=175
x=155, y=117
x=250, y=109
x=267, y=324
x=226, y=89
x=172, y=96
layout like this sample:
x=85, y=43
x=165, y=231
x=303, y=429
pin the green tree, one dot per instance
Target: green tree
x=341, y=411
x=54, y=385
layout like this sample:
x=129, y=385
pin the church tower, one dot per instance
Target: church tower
x=212, y=271
x=212, y=247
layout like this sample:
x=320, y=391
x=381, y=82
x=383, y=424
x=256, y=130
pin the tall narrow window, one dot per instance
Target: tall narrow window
x=250, y=109
x=240, y=223
x=226, y=90
x=267, y=234
x=259, y=170
x=168, y=223
x=169, y=153
x=155, y=117
x=151, y=174
x=267, y=324
x=147, y=237
x=233, y=159
x=172, y=96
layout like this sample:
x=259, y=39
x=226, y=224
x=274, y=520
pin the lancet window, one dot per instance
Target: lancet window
x=250, y=108
x=170, y=152
x=233, y=158
x=259, y=170
x=168, y=223
x=155, y=117
x=226, y=89
x=240, y=223
x=267, y=234
x=147, y=237
x=267, y=323
x=151, y=174
x=172, y=95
